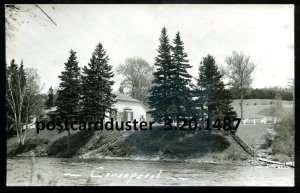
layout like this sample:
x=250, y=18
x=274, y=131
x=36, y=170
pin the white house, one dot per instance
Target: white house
x=128, y=109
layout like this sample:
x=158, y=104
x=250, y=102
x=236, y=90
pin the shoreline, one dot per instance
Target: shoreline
x=255, y=162
x=186, y=148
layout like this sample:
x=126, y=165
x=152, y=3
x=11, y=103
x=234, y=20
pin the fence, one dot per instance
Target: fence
x=259, y=121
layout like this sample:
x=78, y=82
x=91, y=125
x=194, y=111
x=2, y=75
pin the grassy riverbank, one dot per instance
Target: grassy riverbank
x=157, y=144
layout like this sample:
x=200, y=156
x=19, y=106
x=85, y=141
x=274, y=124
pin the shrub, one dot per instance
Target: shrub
x=284, y=141
x=31, y=144
x=269, y=137
x=282, y=138
x=77, y=140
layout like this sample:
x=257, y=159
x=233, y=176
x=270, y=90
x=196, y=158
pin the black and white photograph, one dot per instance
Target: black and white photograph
x=150, y=95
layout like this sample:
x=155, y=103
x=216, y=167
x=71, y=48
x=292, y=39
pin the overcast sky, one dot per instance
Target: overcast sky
x=264, y=32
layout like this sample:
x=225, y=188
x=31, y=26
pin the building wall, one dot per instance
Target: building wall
x=134, y=109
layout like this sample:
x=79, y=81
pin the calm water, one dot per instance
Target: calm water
x=64, y=172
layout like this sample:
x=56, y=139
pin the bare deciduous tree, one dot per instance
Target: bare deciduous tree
x=16, y=15
x=138, y=78
x=15, y=96
x=22, y=86
x=33, y=105
x=239, y=71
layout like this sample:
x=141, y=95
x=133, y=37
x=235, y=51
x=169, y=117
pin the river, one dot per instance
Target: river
x=67, y=172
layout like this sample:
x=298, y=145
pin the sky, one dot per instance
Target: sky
x=263, y=32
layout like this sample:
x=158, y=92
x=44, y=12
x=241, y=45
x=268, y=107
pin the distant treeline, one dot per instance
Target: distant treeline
x=265, y=93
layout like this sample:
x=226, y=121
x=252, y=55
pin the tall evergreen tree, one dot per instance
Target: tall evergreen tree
x=213, y=100
x=160, y=98
x=23, y=89
x=180, y=80
x=50, y=101
x=97, y=96
x=68, y=94
x=22, y=76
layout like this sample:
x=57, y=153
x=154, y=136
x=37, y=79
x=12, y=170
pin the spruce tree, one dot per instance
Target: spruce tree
x=97, y=96
x=180, y=80
x=22, y=76
x=160, y=99
x=213, y=100
x=68, y=94
x=50, y=101
x=23, y=89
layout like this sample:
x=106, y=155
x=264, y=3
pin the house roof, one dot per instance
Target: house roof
x=123, y=97
x=120, y=97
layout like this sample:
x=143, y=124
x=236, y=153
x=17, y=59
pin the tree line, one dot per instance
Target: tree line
x=174, y=96
x=266, y=93
x=23, y=99
x=86, y=93
x=165, y=87
x=170, y=90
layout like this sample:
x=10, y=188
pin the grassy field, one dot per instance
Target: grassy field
x=256, y=108
x=253, y=134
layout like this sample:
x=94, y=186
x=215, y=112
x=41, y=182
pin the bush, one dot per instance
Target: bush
x=31, y=144
x=232, y=153
x=284, y=140
x=269, y=137
x=77, y=140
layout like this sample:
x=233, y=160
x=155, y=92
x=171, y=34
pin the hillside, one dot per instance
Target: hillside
x=161, y=144
x=257, y=108
x=157, y=144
